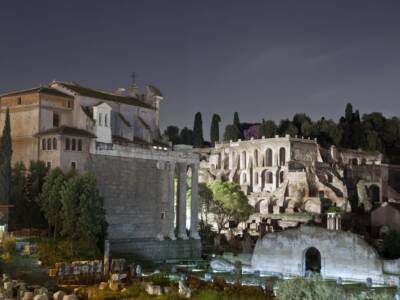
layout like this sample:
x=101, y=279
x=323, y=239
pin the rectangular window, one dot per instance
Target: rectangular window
x=73, y=165
x=48, y=164
x=105, y=120
x=56, y=120
x=100, y=117
x=79, y=145
x=73, y=146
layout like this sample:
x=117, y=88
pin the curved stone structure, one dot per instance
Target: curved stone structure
x=341, y=254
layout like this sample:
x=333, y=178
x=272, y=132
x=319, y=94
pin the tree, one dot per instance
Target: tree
x=214, y=130
x=205, y=197
x=198, y=139
x=299, y=120
x=252, y=132
x=172, y=132
x=186, y=136
x=236, y=120
x=232, y=133
x=83, y=215
x=19, y=199
x=50, y=199
x=5, y=160
x=35, y=179
x=267, y=129
x=349, y=112
x=230, y=203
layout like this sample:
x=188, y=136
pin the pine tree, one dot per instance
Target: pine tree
x=214, y=130
x=5, y=160
x=198, y=139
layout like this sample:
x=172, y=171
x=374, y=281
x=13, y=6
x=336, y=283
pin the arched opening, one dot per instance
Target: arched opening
x=244, y=178
x=256, y=178
x=363, y=161
x=354, y=162
x=374, y=193
x=256, y=158
x=268, y=158
x=282, y=156
x=243, y=160
x=281, y=177
x=313, y=260
x=54, y=144
x=268, y=178
x=48, y=144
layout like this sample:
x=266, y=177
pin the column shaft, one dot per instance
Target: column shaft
x=194, y=208
x=171, y=202
x=181, y=207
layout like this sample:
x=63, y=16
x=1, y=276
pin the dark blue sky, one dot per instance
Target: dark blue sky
x=264, y=59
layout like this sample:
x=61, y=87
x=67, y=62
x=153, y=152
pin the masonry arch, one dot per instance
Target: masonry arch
x=243, y=160
x=281, y=177
x=312, y=260
x=282, y=156
x=374, y=193
x=268, y=157
x=255, y=158
x=243, y=178
x=269, y=178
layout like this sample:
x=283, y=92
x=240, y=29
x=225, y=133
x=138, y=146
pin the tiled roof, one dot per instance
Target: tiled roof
x=85, y=91
x=66, y=130
x=41, y=89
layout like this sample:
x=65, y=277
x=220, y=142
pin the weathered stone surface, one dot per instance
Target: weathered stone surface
x=343, y=254
x=70, y=297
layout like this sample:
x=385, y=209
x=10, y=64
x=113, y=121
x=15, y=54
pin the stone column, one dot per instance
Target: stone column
x=181, y=206
x=194, y=208
x=171, y=202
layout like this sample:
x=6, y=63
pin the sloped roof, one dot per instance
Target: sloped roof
x=93, y=93
x=67, y=130
x=40, y=89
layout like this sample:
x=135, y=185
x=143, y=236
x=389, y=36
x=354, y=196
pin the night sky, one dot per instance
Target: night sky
x=264, y=59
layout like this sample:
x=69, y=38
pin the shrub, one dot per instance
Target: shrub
x=307, y=289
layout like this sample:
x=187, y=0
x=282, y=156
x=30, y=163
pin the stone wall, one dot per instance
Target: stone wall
x=343, y=254
x=136, y=191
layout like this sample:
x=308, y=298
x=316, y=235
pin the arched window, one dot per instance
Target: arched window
x=244, y=178
x=243, y=160
x=48, y=144
x=54, y=144
x=281, y=177
x=73, y=145
x=269, y=178
x=256, y=178
x=282, y=156
x=44, y=144
x=79, y=145
x=67, y=144
x=256, y=158
x=268, y=158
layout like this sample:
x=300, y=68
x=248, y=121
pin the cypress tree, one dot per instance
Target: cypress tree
x=198, y=131
x=236, y=120
x=214, y=130
x=5, y=160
